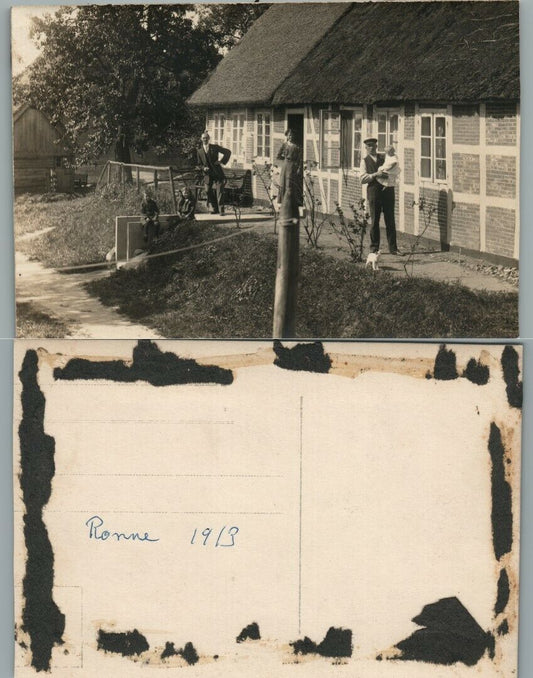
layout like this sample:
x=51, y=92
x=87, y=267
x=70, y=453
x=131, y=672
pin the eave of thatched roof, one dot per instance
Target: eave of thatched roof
x=400, y=51
x=269, y=52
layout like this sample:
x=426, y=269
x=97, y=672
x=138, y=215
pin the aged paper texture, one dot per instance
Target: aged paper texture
x=242, y=508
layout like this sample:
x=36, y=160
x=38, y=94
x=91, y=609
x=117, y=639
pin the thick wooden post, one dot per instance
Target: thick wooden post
x=108, y=173
x=137, y=178
x=171, y=181
x=286, y=293
x=155, y=180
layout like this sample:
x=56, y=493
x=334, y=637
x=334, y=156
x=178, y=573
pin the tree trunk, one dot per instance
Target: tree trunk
x=122, y=154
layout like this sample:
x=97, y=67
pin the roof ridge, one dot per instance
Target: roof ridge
x=317, y=42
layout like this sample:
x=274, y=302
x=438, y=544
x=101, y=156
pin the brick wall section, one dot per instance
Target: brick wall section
x=408, y=166
x=501, y=124
x=310, y=151
x=465, y=226
x=409, y=122
x=500, y=231
x=409, y=212
x=260, y=191
x=351, y=192
x=501, y=176
x=466, y=173
x=465, y=123
x=279, y=121
x=333, y=194
x=437, y=229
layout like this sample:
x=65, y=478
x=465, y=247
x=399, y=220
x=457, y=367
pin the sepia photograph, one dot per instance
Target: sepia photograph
x=267, y=170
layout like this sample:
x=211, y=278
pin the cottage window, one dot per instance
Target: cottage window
x=388, y=124
x=218, y=129
x=433, y=147
x=237, y=145
x=329, y=140
x=263, y=149
x=351, y=138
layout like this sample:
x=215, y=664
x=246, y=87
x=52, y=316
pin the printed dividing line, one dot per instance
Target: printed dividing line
x=300, y=523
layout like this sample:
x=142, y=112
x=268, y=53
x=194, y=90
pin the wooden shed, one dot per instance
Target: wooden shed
x=42, y=161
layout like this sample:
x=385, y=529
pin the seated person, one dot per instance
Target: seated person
x=151, y=226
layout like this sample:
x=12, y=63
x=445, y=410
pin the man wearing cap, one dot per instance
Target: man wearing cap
x=379, y=197
x=211, y=163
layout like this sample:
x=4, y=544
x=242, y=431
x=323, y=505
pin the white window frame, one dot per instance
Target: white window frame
x=433, y=114
x=357, y=113
x=219, y=130
x=328, y=166
x=257, y=147
x=389, y=136
x=238, y=143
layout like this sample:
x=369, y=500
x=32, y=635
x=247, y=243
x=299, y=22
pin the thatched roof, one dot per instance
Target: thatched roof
x=274, y=45
x=372, y=52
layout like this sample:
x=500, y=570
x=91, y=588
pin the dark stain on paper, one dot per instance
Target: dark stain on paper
x=250, y=632
x=502, y=597
x=337, y=643
x=188, y=652
x=126, y=643
x=450, y=635
x=445, y=365
x=503, y=628
x=302, y=357
x=511, y=374
x=149, y=364
x=41, y=617
x=476, y=372
x=501, y=513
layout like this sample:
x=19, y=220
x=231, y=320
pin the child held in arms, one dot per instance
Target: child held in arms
x=390, y=170
x=150, y=211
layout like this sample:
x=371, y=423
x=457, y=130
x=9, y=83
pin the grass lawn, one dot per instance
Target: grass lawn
x=227, y=289
x=84, y=227
x=34, y=323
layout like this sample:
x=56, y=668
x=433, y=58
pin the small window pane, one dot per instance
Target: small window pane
x=440, y=127
x=441, y=169
x=426, y=126
x=440, y=148
x=425, y=168
x=382, y=123
x=382, y=141
x=426, y=147
x=358, y=123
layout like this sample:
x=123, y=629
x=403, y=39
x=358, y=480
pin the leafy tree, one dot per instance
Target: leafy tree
x=228, y=23
x=119, y=75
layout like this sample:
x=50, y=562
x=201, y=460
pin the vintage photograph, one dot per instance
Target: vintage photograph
x=259, y=170
x=185, y=525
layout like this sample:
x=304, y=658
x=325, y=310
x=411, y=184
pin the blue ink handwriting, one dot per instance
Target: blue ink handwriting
x=223, y=540
x=95, y=523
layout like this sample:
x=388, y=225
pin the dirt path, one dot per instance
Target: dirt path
x=63, y=296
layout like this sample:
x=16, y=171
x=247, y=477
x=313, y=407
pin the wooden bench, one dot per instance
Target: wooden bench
x=238, y=188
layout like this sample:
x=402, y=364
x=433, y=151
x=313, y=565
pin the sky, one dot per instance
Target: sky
x=23, y=51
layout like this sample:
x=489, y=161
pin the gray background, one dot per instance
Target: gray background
x=7, y=330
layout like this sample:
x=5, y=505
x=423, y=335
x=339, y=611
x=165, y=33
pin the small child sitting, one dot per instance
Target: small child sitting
x=390, y=168
x=150, y=211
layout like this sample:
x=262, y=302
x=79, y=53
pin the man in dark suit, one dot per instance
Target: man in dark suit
x=211, y=163
x=379, y=198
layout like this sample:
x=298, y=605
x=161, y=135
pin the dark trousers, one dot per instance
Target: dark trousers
x=381, y=199
x=151, y=231
x=215, y=193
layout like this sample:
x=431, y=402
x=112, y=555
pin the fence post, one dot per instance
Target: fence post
x=171, y=180
x=108, y=172
x=285, y=296
x=155, y=180
x=137, y=177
